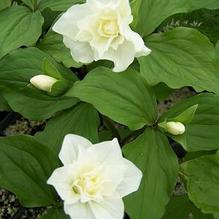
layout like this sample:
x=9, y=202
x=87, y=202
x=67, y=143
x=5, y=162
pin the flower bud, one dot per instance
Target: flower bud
x=43, y=82
x=175, y=128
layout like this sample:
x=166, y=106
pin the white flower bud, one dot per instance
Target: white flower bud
x=43, y=82
x=175, y=128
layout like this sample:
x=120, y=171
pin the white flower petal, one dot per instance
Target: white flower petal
x=135, y=38
x=109, y=156
x=61, y=179
x=110, y=208
x=79, y=211
x=122, y=57
x=100, y=45
x=107, y=152
x=80, y=51
x=125, y=10
x=66, y=24
x=72, y=146
x=131, y=180
x=102, y=4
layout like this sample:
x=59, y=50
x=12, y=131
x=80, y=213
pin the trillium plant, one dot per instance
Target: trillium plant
x=97, y=76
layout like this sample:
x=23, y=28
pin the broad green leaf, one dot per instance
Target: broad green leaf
x=60, y=5
x=149, y=14
x=50, y=69
x=123, y=97
x=196, y=154
x=180, y=207
x=217, y=50
x=181, y=57
x=53, y=44
x=152, y=153
x=204, y=20
x=216, y=216
x=3, y=104
x=25, y=166
x=4, y=4
x=54, y=213
x=210, y=4
x=162, y=91
x=19, y=27
x=31, y=3
x=81, y=120
x=16, y=70
x=202, y=175
x=202, y=133
x=187, y=116
x=197, y=214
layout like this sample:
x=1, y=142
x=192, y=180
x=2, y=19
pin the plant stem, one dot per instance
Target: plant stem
x=111, y=126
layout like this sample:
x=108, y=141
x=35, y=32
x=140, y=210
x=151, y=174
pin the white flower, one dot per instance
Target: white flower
x=43, y=82
x=175, y=128
x=99, y=29
x=94, y=178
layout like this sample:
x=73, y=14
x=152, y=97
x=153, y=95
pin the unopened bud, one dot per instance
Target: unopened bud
x=43, y=82
x=175, y=128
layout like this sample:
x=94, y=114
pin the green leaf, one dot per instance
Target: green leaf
x=204, y=20
x=19, y=27
x=50, y=69
x=196, y=154
x=162, y=91
x=216, y=216
x=217, y=51
x=123, y=97
x=60, y=5
x=181, y=207
x=81, y=120
x=202, y=133
x=16, y=70
x=181, y=57
x=31, y=3
x=152, y=153
x=202, y=175
x=3, y=104
x=4, y=4
x=25, y=166
x=210, y=4
x=54, y=213
x=197, y=214
x=186, y=116
x=149, y=14
x=53, y=44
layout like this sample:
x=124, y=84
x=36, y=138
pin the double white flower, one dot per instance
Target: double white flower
x=94, y=178
x=99, y=29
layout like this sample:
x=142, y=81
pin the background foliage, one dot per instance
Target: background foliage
x=100, y=104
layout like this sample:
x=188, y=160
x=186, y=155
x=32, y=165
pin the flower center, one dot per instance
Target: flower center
x=108, y=28
x=88, y=186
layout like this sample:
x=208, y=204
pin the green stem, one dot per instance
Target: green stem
x=111, y=126
x=131, y=136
